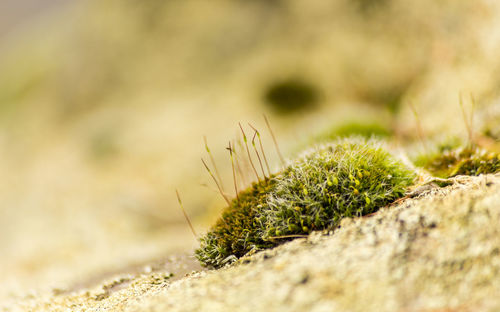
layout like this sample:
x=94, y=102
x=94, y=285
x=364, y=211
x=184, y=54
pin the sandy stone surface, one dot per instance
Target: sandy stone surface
x=438, y=251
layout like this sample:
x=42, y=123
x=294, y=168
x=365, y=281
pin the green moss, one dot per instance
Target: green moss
x=235, y=233
x=350, y=178
x=460, y=161
x=449, y=144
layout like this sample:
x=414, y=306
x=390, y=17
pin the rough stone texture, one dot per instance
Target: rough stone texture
x=437, y=252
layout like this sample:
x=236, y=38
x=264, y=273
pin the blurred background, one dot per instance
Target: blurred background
x=104, y=105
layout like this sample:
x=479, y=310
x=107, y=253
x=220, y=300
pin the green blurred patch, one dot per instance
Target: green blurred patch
x=367, y=6
x=291, y=95
x=355, y=128
x=491, y=128
x=20, y=81
x=388, y=96
x=11, y=94
x=102, y=145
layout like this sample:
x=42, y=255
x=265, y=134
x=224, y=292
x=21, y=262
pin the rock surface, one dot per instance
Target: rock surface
x=439, y=251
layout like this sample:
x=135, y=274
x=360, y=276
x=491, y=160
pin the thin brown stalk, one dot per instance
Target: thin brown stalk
x=471, y=122
x=261, y=149
x=234, y=172
x=248, y=152
x=212, y=189
x=419, y=127
x=244, y=160
x=213, y=163
x=216, y=183
x=258, y=156
x=243, y=180
x=274, y=140
x=185, y=214
x=466, y=121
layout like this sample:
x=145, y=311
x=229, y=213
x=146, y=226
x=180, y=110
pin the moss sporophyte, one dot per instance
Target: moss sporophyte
x=349, y=178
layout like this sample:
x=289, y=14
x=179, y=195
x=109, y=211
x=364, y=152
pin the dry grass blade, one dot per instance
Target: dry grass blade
x=185, y=215
x=248, y=152
x=216, y=183
x=274, y=140
x=261, y=149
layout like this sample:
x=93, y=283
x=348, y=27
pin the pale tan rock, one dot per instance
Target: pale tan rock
x=437, y=252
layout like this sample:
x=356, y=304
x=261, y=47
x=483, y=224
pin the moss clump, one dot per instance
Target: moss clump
x=460, y=161
x=348, y=179
x=235, y=233
x=352, y=177
x=291, y=95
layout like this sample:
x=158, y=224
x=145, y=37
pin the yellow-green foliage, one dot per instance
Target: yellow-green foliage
x=235, y=233
x=350, y=178
x=460, y=161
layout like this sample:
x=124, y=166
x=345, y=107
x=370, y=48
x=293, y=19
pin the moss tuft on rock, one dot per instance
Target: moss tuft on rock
x=471, y=161
x=235, y=233
x=349, y=178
